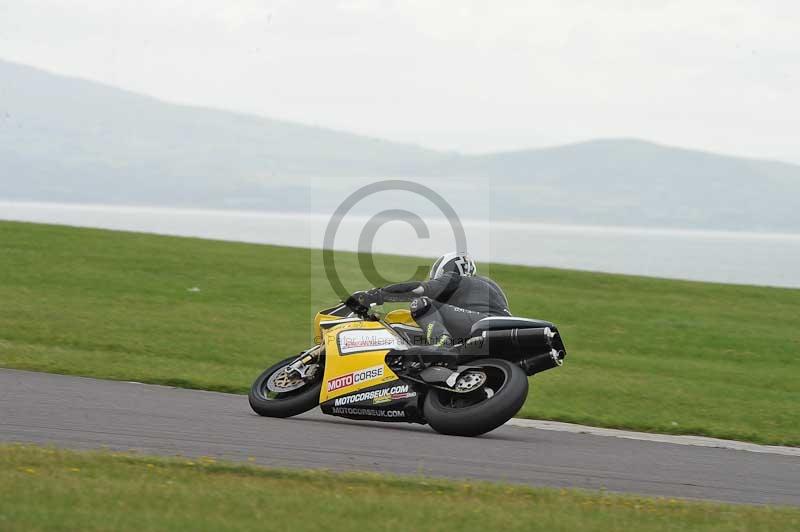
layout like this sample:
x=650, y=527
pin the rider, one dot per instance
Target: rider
x=448, y=303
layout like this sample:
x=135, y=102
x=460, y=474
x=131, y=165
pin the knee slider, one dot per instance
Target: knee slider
x=419, y=307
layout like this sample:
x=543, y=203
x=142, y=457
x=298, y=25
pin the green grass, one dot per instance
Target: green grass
x=646, y=354
x=47, y=489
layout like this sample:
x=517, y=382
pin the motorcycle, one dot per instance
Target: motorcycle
x=373, y=367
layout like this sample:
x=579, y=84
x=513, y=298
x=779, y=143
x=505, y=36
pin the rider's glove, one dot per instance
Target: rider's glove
x=374, y=297
x=360, y=302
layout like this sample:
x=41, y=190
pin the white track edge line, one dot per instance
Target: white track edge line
x=697, y=441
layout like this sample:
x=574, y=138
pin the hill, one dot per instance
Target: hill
x=66, y=139
x=633, y=182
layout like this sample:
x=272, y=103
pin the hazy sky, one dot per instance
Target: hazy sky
x=460, y=75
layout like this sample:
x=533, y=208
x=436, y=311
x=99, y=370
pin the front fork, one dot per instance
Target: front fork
x=306, y=365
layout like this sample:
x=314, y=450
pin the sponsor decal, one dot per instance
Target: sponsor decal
x=383, y=395
x=361, y=340
x=355, y=377
x=367, y=412
x=406, y=395
x=394, y=394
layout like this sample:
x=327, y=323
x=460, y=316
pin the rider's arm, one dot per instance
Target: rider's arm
x=435, y=289
x=402, y=291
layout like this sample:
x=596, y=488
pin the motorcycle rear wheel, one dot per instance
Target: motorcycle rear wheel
x=479, y=412
x=269, y=404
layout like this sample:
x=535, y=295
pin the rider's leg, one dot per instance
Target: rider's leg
x=459, y=321
x=426, y=312
x=443, y=324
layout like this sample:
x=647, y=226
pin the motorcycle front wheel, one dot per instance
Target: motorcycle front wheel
x=502, y=393
x=297, y=395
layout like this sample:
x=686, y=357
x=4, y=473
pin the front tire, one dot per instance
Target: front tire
x=479, y=412
x=265, y=403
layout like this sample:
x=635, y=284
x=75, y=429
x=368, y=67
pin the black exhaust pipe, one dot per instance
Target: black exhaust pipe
x=543, y=362
x=518, y=342
x=538, y=348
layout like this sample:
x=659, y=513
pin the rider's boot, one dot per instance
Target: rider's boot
x=445, y=342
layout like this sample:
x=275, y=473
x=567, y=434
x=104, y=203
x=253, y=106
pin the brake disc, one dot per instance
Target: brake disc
x=283, y=381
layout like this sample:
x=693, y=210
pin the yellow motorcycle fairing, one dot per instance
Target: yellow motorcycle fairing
x=355, y=357
x=357, y=383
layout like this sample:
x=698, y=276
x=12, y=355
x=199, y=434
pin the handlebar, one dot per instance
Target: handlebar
x=361, y=311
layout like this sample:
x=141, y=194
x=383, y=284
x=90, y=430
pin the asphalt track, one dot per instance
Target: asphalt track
x=85, y=413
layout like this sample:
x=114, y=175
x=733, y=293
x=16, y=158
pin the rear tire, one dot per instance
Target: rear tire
x=446, y=417
x=286, y=404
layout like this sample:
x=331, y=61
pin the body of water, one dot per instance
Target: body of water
x=717, y=256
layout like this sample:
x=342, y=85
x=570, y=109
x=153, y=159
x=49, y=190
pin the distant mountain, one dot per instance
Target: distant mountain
x=65, y=139
x=74, y=140
x=633, y=182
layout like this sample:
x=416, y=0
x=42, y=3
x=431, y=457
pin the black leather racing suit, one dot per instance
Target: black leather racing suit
x=450, y=305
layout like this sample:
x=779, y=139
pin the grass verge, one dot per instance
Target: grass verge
x=645, y=354
x=48, y=489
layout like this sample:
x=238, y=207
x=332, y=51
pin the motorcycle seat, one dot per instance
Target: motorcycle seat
x=498, y=323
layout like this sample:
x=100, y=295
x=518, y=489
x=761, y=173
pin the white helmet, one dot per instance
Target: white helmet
x=461, y=263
